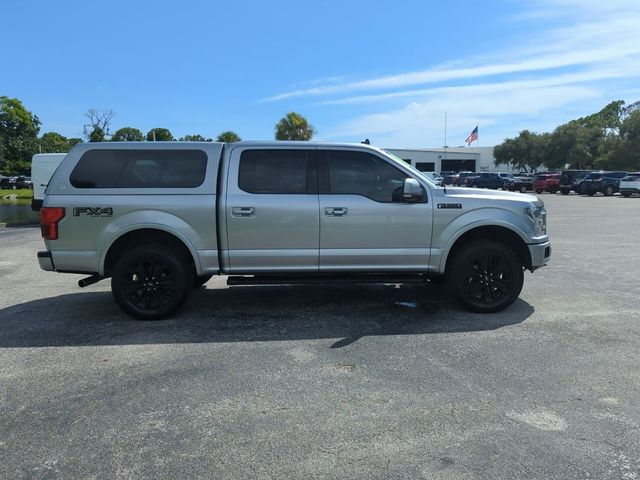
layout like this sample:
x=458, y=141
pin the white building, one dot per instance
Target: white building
x=473, y=159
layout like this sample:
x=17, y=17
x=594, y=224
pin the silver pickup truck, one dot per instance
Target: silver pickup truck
x=159, y=218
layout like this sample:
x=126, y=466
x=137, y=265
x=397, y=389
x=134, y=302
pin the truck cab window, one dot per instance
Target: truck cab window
x=360, y=173
x=273, y=171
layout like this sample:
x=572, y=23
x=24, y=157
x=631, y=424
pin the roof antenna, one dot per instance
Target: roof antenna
x=366, y=141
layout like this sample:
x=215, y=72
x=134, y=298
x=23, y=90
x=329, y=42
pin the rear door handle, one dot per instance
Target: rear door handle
x=243, y=211
x=335, y=211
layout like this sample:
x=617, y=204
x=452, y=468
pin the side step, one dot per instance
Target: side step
x=329, y=278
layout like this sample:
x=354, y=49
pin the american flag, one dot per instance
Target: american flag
x=473, y=136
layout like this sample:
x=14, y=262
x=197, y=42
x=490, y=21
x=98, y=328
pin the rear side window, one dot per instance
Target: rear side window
x=140, y=169
x=274, y=171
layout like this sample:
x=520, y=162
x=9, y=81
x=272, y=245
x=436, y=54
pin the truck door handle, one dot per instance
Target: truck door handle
x=335, y=211
x=243, y=211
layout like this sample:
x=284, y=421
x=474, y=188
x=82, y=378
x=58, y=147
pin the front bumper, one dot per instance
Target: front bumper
x=46, y=261
x=540, y=254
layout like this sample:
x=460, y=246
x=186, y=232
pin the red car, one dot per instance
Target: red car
x=546, y=182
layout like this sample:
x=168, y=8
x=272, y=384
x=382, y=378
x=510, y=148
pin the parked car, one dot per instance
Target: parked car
x=42, y=167
x=24, y=182
x=486, y=180
x=448, y=178
x=159, y=218
x=8, y=183
x=521, y=184
x=630, y=184
x=572, y=180
x=546, y=182
x=506, y=176
x=603, y=182
x=460, y=179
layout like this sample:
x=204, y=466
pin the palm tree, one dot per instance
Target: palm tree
x=294, y=126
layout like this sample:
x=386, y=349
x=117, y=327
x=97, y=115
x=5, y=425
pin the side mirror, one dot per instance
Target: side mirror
x=412, y=191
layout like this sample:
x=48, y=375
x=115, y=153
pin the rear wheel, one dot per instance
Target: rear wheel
x=608, y=191
x=523, y=189
x=486, y=276
x=564, y=191
x=151, y=282
x=539, y=192
x=626, y=195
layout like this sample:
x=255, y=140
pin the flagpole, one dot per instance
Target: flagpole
x=478, y=137
x=445, y=138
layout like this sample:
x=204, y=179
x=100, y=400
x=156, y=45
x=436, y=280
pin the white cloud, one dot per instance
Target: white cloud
x=591, y=59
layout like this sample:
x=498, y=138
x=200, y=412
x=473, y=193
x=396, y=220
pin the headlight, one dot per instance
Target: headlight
x=538, y=215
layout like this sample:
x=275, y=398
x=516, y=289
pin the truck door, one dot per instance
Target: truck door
x=365, y=225
x=272, y=211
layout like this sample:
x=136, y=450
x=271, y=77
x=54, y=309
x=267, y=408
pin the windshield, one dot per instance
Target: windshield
x=416, y=172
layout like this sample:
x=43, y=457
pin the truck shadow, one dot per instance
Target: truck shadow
x=344, y=313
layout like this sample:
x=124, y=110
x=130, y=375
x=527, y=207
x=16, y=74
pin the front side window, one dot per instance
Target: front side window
x=360, y=173
x=274, y=171
x=173, y=168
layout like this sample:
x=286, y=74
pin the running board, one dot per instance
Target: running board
x=322, y=278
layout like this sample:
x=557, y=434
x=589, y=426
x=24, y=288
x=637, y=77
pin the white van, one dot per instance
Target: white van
x=42, y=167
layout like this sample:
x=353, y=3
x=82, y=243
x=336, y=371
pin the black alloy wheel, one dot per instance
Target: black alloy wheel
x=486, y=276
x=151, y=282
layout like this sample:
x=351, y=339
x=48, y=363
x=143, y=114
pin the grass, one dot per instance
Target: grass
x=21, y=193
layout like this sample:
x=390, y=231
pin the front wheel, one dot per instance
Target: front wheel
x=486, y=276
x=523, y=189
x=539, y=191
x=151, y=282
x=564, y=191
x=626, y=195
x=609, y=191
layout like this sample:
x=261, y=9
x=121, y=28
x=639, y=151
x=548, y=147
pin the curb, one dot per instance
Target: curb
x=19, y=224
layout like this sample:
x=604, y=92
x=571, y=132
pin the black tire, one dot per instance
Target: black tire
x=523, y=189
x=564, y=191
x=591, y=194
x=626, y=195
x=609, y=190
x=200, y=280
x=475, y=185
x=486, y=276
x=151, y=282
x=539, y=191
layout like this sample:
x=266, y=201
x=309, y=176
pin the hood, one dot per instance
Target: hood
x=483, y=194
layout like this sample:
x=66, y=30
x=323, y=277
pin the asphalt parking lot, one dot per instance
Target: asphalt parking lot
x=335, y=381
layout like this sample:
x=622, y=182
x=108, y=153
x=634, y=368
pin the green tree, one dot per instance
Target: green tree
x=623, y=152
x=127, y=134
x=294, y=126
x=53, y=142
x=19, y=130
x=159, y=135
x=195, y=138
x=526, y=152
x=228, y=136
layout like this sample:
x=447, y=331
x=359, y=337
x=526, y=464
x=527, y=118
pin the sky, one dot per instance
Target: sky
x=385, y=70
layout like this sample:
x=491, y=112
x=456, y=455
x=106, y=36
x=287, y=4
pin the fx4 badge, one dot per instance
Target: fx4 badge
x=449, y=205
x=93, y=211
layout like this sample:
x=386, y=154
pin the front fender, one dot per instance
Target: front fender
x=482, y=217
